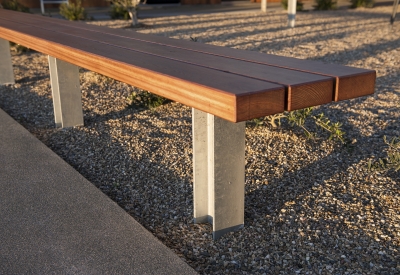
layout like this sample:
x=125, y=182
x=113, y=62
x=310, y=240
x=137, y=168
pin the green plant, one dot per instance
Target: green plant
x=119, y=11
x=19, y=48
x=391, y=161
x=145, y=99
x=300, y=117
x=131, y=6
x=325, y=4
x=14, y=5
x=73, y=11
x=362, y=3
x=299, y=5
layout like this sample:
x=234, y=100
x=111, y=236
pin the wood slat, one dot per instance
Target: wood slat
x=205, y=89
x=302, y=89
x=345, y=88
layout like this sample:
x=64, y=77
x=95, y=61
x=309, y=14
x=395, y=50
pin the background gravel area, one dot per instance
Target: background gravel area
x=311, y=206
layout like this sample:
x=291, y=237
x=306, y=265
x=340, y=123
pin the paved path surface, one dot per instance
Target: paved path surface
x=53, y=221
x=163, y=10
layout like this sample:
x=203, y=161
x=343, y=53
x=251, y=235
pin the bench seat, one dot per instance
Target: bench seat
x=225, y=87
x=233, y=84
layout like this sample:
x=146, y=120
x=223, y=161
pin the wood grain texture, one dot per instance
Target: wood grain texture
x=356, y=84
x=233, y=84
x=248, y=69
x=289, y=78
x=205, y=89
x=254, y=105
x=342, y=74
x=285, y=77
x=309, y=95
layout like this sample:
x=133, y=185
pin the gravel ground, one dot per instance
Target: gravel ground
x=311, y=206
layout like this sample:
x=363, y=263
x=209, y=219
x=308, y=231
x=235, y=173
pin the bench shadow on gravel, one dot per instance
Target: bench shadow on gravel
x=152, y=200
x=130, y=182
x=143, y=187
x=273, y=19
x=297, y=39
x=294, y=188
x=32, y=80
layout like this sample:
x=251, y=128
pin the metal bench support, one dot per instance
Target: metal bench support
x=218, y=164
x=66, y=93
x=6, y=68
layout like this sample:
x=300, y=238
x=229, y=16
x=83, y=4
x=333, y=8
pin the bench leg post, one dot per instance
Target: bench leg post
x=6, y=68
x=66, y=93
x=292, y=5
x=42, y=6
x=218, y=171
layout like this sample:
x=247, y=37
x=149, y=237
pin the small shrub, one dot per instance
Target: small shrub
x=119, y=11
x=325, y=4
x=361, y=3
x=131, y=6
x=15, y=6
x=145, y=99
x=73, y=11
x=299, y=5
x=298, y=118
x=19, y=48
x=391, y=161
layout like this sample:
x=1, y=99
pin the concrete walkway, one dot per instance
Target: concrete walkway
x=163, y=10
x=53, y=221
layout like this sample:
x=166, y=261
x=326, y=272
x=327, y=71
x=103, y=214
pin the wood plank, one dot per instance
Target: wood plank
x=344, y=89
x=209, y=90
x=302, y=89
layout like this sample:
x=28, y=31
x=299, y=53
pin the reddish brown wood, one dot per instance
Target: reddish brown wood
x=342, y=74
x=251, y=106
x=206, y=89
x=356, y=84
x=313, y=96
x=303, y=87
x=236, y=85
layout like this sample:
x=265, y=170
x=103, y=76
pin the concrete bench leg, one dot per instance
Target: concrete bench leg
x=66, y=93
x=218, y=163
x=292, y=6
x=6, y=69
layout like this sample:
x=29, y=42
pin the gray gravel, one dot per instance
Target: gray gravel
x=311, y=206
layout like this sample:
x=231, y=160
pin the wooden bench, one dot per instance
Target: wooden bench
x=225, y=87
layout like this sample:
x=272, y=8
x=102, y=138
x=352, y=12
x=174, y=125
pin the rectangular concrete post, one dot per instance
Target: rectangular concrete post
x=218, y=164
x=292, y=6
x=395, y=4
x=264, y=5
x=6, y=68
x=66, y=92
